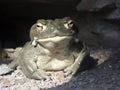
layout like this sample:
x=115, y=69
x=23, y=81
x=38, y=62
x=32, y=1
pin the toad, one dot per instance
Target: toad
x=53, y=47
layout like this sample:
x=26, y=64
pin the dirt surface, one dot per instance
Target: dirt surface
x=105, y=76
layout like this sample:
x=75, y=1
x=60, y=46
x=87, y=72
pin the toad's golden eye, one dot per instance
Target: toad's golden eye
x=69, y=24
x=40, y=27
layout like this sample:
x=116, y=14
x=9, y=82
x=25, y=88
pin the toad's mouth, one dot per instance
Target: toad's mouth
x=54, y=39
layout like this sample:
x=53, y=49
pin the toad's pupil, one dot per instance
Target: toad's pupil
x=38, y=26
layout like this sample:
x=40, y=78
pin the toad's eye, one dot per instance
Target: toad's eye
x=69, y=24
x=40, y=27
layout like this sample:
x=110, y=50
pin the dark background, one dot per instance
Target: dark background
x=94, y=19
x=17, y=17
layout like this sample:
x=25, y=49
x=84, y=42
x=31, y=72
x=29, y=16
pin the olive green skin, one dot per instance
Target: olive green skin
x=51, y=48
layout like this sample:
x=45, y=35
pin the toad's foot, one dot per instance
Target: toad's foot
x=71, y=70
x=40, y=75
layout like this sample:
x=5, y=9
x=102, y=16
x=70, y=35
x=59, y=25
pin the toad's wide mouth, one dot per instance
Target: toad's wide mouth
x=55, y=38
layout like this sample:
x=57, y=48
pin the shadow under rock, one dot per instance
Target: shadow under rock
x=99, y=78
x=87, y=64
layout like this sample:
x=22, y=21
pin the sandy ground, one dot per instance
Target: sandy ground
x=105, y=76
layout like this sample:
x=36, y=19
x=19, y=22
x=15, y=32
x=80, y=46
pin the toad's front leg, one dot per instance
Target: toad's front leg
x=30, y=69
x=77, y=64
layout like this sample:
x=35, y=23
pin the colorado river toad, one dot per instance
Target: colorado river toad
x=53, y=46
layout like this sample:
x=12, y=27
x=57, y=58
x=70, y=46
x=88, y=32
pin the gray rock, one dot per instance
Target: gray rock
x=93, y=5
x=114, y=15
x=97, y=32
x=118, y=3
x=4, y=69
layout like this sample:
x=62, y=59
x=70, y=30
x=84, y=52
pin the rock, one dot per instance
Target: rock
x=118, y=3
x=10, y=50
x=114, y=15
x=4, y=69
x=93, y=5
x=98, y=32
